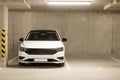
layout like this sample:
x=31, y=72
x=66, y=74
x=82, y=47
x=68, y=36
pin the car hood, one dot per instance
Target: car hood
x=42, y=44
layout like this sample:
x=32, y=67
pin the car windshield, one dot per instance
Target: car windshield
x=43, y=36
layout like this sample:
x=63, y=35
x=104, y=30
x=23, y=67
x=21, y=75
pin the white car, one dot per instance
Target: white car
x=42, y=46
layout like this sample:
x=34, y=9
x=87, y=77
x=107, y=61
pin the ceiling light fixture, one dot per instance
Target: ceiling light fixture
x=70, y=3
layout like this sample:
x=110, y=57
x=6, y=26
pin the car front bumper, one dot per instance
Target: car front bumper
x=59, y=57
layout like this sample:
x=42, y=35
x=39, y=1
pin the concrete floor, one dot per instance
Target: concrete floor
x=79, y=68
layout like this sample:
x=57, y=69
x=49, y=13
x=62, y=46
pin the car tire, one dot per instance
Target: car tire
x=61, y=64
x=22, y=64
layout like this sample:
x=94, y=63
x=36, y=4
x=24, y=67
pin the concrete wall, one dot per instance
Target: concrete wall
x=100, y=33
x=1, y=27
x=88, y=32
x=116, y=34
x=1, y=23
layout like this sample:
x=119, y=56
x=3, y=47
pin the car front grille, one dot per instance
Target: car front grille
x=41, y=51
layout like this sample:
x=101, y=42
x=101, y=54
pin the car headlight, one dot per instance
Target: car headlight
x=23, y=49
x=59, y=49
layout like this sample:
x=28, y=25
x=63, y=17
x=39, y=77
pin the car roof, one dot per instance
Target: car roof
x=43, y=31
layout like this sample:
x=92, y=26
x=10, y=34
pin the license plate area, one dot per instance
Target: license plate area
x=41, y=60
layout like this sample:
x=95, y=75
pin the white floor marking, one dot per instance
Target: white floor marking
x=115, y=59
x=13, y=59
x=67, y=65
x=100, y=68
x=1, y=68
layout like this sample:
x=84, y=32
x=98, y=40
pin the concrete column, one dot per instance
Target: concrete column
x=4, y=25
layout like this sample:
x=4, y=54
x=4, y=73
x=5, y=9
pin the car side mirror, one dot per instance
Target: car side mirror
x=21, y=39
x=64, y=39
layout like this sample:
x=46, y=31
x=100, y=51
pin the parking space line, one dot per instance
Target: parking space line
x=13, y=59
x=115, y=59
x=1, y=68
x=67, y=65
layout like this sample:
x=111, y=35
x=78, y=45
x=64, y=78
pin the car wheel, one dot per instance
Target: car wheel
x=22, y=64
x=61, y=64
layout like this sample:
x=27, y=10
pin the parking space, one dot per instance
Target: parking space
x=83, y=34
x=85, y=68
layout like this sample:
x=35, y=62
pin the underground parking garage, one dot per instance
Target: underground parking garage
x=89, y=27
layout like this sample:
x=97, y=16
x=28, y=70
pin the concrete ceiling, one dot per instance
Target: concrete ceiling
x=41, y=5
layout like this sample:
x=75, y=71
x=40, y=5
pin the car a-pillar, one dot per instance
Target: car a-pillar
x=4, y=33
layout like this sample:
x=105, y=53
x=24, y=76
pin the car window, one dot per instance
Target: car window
x=42, y=36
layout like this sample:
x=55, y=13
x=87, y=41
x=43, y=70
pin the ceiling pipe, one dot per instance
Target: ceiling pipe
x=27, y=4
x=110, y=4
x=22, y=3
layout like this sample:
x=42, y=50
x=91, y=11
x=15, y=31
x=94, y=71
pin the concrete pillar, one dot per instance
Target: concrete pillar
x=4, y=25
